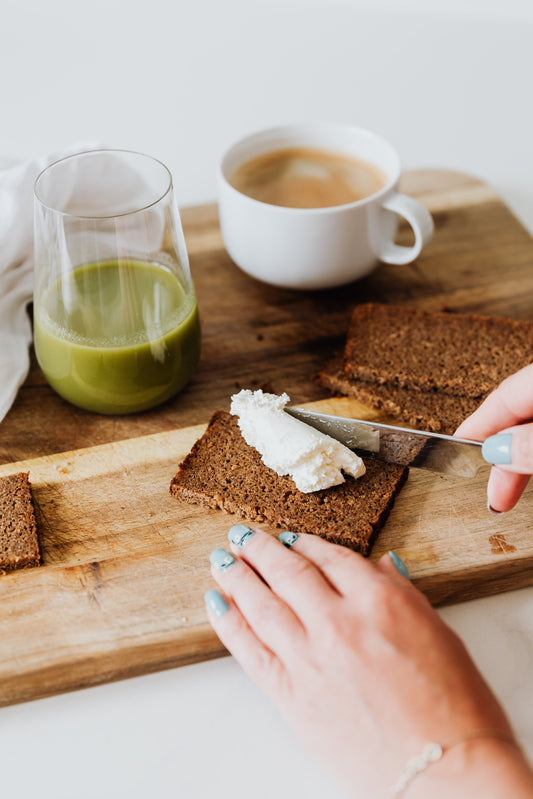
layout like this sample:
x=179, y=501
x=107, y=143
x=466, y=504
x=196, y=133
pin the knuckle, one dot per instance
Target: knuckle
x=266, y=616
x=340, y=554
x=339, y=626
x=384, y=603
x=294, y=568
x=265, y=669
x=381, y=607
x=264, y=663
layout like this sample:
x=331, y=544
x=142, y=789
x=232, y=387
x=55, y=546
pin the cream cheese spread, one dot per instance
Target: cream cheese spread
x=314, y=460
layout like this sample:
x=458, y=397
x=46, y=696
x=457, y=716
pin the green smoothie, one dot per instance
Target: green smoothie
x=117, y=336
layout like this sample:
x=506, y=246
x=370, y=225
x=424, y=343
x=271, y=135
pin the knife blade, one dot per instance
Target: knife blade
x=414, y=448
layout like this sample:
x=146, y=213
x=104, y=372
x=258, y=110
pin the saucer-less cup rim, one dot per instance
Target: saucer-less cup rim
x=317, y=248
x=260, y=142
x=160, y=194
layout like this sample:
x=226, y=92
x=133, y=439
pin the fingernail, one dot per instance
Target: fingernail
x=399, y=565
x=240, y=534
x=493, y=510
x=216, y=602
x=497, y=449
x=288, y=539
x=221, y=559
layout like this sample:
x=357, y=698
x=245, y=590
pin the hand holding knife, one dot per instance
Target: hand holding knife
x=504, y=421
x=414, y=448
x=498, y=433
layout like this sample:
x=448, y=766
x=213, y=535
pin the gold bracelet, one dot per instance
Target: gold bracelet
x=432, y=752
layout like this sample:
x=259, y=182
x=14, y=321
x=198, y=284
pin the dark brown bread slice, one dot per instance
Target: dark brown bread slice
x=222, y=471
x=427, y=410
x=19, y=545
x=460, y=354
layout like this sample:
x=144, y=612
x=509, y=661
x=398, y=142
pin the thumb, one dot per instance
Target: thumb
x=511, y=449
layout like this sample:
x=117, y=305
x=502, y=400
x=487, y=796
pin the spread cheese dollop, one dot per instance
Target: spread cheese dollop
x=313, y=459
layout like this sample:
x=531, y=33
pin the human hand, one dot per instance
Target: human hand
x=504, y=423
x=357, y=660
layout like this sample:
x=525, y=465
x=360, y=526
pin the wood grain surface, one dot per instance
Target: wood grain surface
x=125, y=565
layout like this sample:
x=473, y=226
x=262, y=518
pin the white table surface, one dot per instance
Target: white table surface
x=448, y=82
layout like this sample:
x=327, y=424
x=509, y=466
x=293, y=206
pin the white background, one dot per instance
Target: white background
x=449, y=83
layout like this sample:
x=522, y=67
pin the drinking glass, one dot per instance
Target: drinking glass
x=115, y=315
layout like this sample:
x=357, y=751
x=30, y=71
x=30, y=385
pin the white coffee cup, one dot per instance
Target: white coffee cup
x=316, y=248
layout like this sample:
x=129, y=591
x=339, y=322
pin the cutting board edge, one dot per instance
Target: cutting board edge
x=326, y=404
x=457, y=586
x=57, y=457
x=195, y=645
x=201, y=643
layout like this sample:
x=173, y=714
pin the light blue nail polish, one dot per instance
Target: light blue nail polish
x=221, y=559
x=240, y=534
x=399, y=565
x=288, y=539
x=497, y=449
x=216, y=602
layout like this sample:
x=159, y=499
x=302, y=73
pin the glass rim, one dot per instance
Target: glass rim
x=95, y=151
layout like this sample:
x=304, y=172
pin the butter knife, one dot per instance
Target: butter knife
x=415, y=448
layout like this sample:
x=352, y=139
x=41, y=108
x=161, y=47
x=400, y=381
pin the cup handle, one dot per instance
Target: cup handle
x=421, y=222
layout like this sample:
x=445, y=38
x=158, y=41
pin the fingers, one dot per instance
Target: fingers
x=256, y=659
x=396, y=570
x=270, y=619
x=282, y=593
x=276, y=597
x=314, y=575
x=502, y=422
x=297, y=582
x=511, y=449
x=510, y=404
x=393, y=566
x=504, y=489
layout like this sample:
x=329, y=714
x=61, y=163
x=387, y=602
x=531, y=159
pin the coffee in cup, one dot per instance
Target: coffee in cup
x=315, y=205
x=307, y=177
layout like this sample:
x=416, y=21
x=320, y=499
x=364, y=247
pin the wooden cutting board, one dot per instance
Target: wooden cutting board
x=126, y=565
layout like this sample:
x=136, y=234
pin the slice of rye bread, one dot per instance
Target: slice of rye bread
x=459, y=354
x=427, y=410
x=222, y=471
x=19, y=545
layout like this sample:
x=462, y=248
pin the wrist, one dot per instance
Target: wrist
x=480, y=766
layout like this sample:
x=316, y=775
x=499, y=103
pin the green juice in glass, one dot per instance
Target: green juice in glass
x=117, y=336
